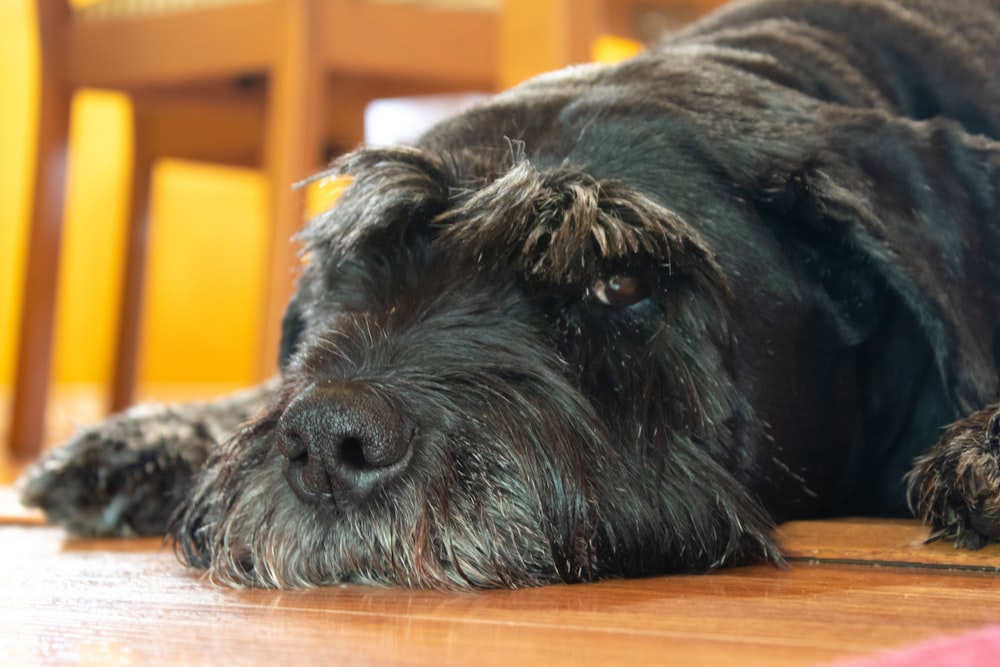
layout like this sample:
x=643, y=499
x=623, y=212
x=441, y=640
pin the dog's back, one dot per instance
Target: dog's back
x=916, y=58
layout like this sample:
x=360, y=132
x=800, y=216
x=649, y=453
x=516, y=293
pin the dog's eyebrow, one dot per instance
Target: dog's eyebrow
x=557, y=226
x=563, y=226
x=389, y=189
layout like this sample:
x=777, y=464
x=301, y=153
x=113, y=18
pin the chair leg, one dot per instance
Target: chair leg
x=34, y=358
x=291, y=152
x=542, y=35
x=126, y=355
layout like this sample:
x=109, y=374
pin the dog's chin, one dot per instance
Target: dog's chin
x=470, y=526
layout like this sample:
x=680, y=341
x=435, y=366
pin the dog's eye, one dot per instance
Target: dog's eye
x=619, y=291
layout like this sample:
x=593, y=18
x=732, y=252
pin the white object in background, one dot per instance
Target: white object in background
x=401, y=120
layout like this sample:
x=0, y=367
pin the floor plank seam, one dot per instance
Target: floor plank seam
x=910, y=565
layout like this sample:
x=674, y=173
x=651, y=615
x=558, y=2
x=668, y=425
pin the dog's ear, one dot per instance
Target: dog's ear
x=908, y=208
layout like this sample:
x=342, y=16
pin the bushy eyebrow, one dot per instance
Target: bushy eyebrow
x=557, y=225
x=562, y=225
x=389, y=189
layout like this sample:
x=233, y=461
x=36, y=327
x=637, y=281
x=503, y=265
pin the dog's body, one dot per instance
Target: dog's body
x=617, y=321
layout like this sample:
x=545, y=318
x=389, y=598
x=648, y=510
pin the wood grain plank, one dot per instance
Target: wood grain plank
x=130, y=602
x=899, y=542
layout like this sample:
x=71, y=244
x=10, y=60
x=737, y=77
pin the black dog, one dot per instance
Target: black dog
x=617, y=322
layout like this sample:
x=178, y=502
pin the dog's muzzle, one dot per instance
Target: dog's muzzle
x=342, y=441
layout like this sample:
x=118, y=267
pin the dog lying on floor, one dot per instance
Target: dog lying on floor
x=615, y=322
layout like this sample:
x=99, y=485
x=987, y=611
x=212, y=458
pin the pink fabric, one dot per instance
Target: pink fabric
x=980, y=648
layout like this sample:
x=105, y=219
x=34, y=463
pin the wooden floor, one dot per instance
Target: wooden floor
x=852, y=587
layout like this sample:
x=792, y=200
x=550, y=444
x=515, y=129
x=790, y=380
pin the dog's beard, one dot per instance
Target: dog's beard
x=492, y=494
x=477, y=506
x=520, y=484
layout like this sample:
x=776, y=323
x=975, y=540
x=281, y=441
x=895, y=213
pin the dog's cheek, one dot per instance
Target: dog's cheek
x=607, y=355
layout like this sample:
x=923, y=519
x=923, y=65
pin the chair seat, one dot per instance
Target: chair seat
x=114, y=10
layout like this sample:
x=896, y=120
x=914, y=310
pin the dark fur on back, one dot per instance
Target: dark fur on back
x=626, y=317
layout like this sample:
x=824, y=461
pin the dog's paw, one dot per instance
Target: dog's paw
x=124, y=476
x=955, y=487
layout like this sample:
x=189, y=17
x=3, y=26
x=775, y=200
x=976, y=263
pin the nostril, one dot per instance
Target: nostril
x=360, y=453
x=352, y=454
x=306, y=475
x=291, y=445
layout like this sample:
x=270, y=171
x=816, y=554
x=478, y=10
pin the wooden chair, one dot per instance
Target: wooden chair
x=275, y=84
x=541, y=35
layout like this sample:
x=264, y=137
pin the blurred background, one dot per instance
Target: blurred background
x=205, y=215
x=154, y=91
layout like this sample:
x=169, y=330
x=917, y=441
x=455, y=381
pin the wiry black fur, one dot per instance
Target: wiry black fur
x=624, y=318
x=507, y=483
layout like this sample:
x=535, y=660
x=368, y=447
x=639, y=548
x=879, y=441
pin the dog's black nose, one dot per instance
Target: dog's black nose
x=342, y=441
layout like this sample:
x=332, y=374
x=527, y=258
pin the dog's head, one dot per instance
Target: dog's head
x=493, y=381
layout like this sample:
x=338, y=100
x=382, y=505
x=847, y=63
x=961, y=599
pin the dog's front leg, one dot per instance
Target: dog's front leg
x=126, y=475
x=955, y=486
